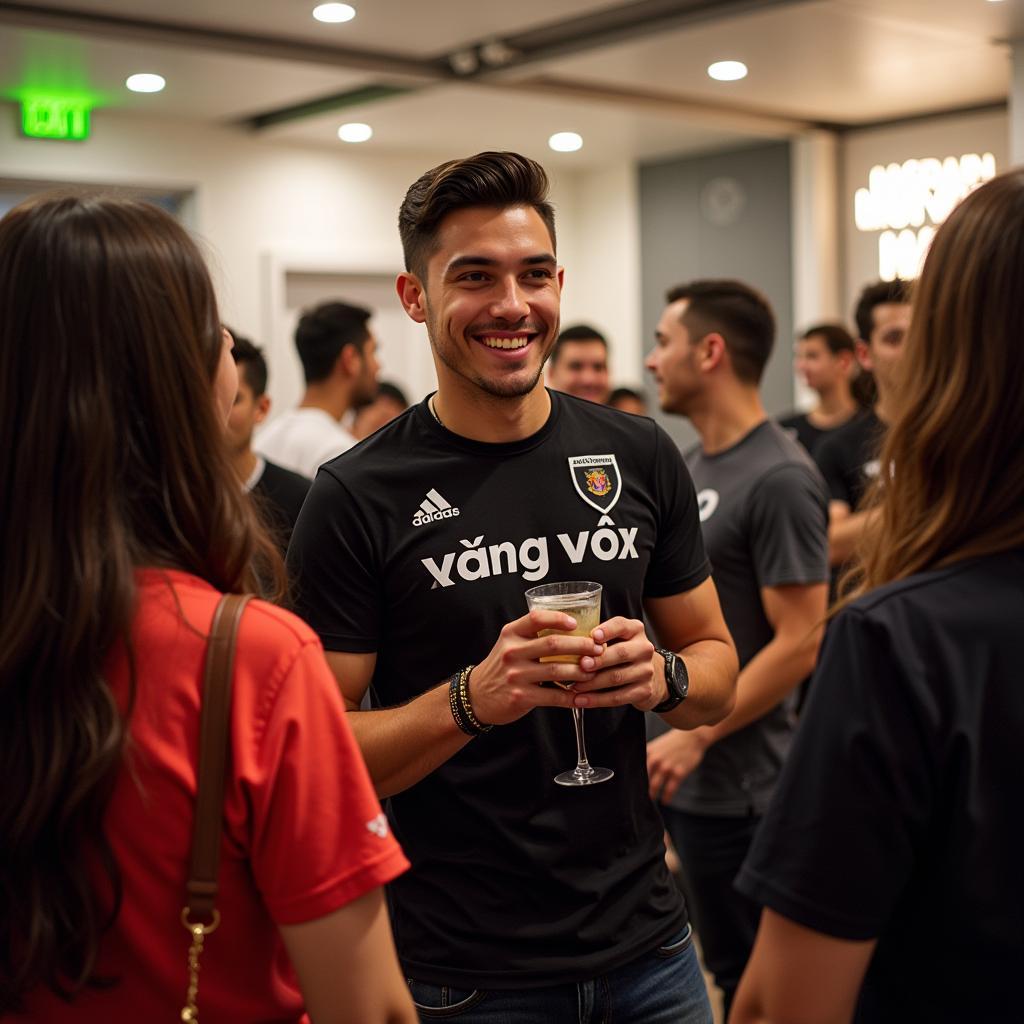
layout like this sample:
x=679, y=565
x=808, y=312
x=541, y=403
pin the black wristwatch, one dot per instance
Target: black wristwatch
x=676, y=678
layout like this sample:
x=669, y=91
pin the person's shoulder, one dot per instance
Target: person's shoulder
x=583, y=409
x=185, y=597
x=767, y=449
x=278, y=478
x=377, y=450
x=991, y=578
x=612, y=429
x=791, y=419
x=271, y=637
x=845, y=438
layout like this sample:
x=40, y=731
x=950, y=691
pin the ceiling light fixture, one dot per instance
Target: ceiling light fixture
x=334, y=14
x=355, y=131
x=145, y=83
x=727, y=70
x=565, y=142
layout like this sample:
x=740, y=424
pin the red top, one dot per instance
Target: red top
x=303, y=832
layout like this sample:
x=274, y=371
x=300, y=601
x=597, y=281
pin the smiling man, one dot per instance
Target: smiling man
x=527, y=900
x=579, y=364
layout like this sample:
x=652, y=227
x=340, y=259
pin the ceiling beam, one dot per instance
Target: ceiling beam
x=112, y=26
x=609, y=26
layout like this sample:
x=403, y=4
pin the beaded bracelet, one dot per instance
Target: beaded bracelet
x=462, y=708
x=453, y=703
x=465, y=705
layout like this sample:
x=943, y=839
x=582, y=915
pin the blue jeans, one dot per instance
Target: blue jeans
x=664, y=986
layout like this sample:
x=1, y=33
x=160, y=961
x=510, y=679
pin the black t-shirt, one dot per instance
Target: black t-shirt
x=899, y=813
x=279, y=494
x=801, y=428
x=764, y=519
x=419, y=545
x=848, y=457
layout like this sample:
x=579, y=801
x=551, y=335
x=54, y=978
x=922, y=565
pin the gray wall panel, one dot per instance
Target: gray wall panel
x=721, y=215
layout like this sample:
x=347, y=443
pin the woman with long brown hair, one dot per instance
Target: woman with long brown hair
x=889, y=864
x=121, y=525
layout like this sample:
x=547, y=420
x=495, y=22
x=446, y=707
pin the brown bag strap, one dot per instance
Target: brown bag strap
x=213, y=755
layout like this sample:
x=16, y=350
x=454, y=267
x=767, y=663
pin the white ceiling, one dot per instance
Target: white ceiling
x=815, y=61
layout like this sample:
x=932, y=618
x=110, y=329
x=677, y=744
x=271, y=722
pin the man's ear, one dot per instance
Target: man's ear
x=262, y=408
x=349, y=361
x=713, y=351
x=863, y=351
x=412, y=295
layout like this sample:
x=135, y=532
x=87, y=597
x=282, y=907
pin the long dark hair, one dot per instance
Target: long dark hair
x=956, y=446
x=112, y=458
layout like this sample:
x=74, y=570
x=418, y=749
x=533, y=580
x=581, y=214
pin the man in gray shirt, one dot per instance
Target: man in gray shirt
x=764, y=516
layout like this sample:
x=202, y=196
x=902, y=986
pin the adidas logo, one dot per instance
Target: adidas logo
x=433, y=508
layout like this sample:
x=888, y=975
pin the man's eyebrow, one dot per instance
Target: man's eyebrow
x=541, y=259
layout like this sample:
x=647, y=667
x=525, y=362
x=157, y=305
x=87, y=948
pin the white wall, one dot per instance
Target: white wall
x=263, y=208
x=602, y=260
x=936, y=137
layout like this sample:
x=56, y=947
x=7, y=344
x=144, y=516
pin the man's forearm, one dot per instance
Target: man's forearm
x=405, y=744
x=766, y=680
x=844, y=535
x=712, y=667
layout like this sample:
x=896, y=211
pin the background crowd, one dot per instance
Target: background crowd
x=806, y=676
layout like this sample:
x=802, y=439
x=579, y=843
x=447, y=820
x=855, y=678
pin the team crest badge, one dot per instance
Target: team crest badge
x=597, y=480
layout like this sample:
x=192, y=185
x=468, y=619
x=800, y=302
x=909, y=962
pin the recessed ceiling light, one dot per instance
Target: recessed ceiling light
x=727, y=70
x=355, y=131
x=334, y=13
x=565, y=142
x=145, y=83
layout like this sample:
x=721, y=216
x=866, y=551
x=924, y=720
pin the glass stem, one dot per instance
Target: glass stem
x=582, y=764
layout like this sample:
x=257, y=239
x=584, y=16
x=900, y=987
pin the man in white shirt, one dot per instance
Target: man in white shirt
x=339, y=361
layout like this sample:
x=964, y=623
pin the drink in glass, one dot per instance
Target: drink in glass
x=582, y=600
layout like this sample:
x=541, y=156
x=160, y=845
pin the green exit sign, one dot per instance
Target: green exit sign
x=55, y=118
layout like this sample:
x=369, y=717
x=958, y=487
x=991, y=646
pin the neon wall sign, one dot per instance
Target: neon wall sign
x=907, y=202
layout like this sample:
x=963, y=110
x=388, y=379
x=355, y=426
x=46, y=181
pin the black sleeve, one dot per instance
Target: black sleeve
x=789, y=527
x=678, y=563
x=829, y=457
x=838, y=843
x=333, y=566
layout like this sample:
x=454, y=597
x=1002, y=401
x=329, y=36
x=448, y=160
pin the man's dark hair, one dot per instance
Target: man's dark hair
x=619, y=393
x=324, y=331
x=250, y=359
x=836, y=337
x=877, y=294
x=487, y=179
x=578, y=332
x=385, y=389
x=740, y=314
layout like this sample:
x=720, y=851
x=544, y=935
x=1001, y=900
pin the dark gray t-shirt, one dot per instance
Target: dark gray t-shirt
x=764, y=516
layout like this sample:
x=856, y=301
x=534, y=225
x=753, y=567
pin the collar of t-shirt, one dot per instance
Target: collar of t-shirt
x=745, y=439
x=425, y=419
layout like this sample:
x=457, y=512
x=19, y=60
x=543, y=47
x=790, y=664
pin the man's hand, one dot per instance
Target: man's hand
x=628, y=672
x=671, y=757
x=507, y=683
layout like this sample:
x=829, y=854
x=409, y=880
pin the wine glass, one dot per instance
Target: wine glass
x=582, y=600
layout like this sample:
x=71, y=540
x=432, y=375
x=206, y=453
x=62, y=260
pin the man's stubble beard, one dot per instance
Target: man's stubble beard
x=502, y=389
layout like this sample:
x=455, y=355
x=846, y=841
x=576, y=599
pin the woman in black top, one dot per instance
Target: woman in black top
x=890, y=862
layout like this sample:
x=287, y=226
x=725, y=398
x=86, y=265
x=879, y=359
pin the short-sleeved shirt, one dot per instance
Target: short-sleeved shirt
x=810, y=436
x=303, y=439
x=848, y=457
x=303, y=831
x=899, y=814
x=764, y=518
x=419, y=545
